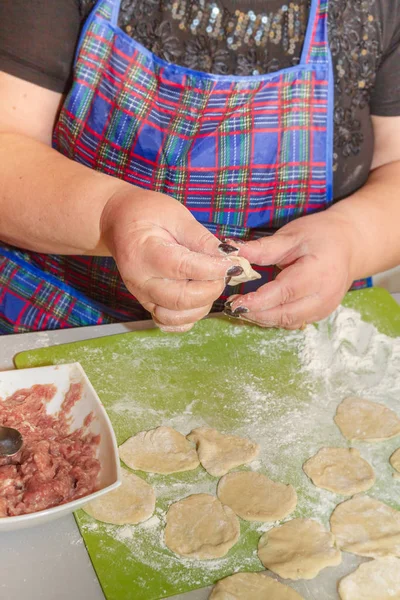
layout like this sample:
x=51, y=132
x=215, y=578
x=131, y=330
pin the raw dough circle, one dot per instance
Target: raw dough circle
x=395, y=461
x=374, y=580
x=160, y=450
x=249, y=274
x=254, y=586
x=220, y=452
x=360, y=419
x=366, y=527
x=298, y=549
x=199, y=526
x=340, y=470
x=254, y=497
x=132, y=502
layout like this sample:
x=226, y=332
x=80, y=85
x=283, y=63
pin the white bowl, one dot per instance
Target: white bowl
x=62, y=376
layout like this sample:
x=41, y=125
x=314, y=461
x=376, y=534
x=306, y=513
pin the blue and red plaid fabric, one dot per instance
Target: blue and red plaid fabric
x=238, y=152
x=241, y=153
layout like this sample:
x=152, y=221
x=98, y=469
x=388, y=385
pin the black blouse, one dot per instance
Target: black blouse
x=241, y=37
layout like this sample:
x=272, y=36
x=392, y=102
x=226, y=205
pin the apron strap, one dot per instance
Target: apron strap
x=316, y=44
x=115, y=4
x=108, y=10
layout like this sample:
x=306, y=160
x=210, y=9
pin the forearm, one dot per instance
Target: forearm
x=374, y=212
x=49, y=203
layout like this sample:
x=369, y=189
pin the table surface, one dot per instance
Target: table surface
x=52, y=557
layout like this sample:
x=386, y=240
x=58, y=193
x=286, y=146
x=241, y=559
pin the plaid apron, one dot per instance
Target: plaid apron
x=244, y=154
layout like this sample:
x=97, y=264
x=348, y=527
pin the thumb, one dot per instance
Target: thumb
x=279, y=248
x=193, y=235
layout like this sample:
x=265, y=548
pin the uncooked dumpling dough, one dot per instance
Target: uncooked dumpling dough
x=298, y=549
x=161, y=450
x=249, y=274
x=199, y=526
x=367, y=527
x=132, y=502
x=254, y=497
x=395, y=462
x=374, y=580
x=360, y=419
x=252, y=586
x=340, y=470
x=219, y=452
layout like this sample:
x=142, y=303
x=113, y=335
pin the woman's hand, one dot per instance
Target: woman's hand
x=319, y=258
x=167, y=260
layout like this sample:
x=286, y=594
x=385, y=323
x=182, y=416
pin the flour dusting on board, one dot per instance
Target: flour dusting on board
x=345, y=346
x=281, y=390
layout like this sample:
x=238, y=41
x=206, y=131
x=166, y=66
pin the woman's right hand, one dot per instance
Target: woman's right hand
x=167, y=259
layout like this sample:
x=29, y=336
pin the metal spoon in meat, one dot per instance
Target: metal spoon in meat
x=10, y=441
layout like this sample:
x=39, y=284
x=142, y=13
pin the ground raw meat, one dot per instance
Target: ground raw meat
x=54, y=466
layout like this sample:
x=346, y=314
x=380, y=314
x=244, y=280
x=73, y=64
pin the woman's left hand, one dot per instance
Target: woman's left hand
x=319, y=258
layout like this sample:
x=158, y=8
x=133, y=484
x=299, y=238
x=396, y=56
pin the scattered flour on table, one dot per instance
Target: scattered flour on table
x=340, y=356
x=346, y=347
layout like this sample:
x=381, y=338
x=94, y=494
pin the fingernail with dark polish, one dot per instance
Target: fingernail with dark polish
x=229, y=313
x=241, y=310
x=228, y=304
x=227, y=248
x=232, y=242
x=234, y=271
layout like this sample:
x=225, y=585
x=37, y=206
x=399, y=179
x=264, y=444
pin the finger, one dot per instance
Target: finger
x=293, y=283
x=192, y=234
x=173, y=328
x=291, y=316
x=172, y=261
x=179, y=295
x=271, y=250
x=170, y=320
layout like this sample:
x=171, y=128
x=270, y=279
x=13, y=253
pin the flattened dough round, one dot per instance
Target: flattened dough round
x=340, y=470
x=360, y=419
x=132, y=502
x=254, y=586
x=160, y=450
x=249, y=274
x=199, y=526
x=395, y=461
x=298, y=549
x=220, y=452
x=254, y=497
x=367, y=527
x=374, y=580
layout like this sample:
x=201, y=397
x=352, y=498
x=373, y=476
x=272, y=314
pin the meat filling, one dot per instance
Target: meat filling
x=54, y=466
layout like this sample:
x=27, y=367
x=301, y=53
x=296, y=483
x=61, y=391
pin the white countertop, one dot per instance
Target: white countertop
x=50, y=562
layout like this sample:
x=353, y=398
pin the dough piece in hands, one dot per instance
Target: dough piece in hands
x=220, y=452
x=254, y=497
x=360, y=419
x=132, y=502
x=374, y=580
x=249, y=274
x=367, y=527
x=254, y=586
x=161, y=450
x=340, y=470
x=395, y=462
x=298, y=549
x=199, y=526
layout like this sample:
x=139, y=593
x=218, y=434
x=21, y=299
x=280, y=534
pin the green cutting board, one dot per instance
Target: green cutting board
x=236, y=378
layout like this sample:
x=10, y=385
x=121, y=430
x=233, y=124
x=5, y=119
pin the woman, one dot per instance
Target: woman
x=181, y=123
